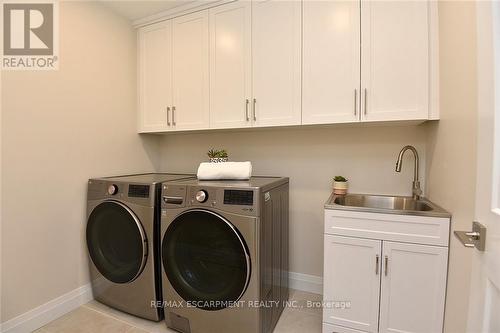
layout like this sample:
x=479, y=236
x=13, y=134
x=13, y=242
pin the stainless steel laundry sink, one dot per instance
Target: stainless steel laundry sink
x=385, y=204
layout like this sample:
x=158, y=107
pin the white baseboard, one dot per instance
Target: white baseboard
x=306, y=282
x=45, y=313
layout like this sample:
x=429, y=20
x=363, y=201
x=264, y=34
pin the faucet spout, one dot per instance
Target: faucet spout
x=417, y=192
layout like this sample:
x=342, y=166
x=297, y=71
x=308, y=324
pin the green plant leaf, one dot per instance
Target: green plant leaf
x=214, y=153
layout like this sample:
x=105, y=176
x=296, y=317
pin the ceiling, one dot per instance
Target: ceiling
x=134, y=10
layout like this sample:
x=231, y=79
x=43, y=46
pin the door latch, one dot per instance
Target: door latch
x=475, y=238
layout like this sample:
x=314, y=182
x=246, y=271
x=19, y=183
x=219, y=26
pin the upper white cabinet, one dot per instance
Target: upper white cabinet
x=276, y=62
x=379, y=72
x=282, y=63
x=173, y=74
x=255, y=64
x=155, y=76
x=190, y=68
x=230, y=65
x=395, y=60
x=331, y=65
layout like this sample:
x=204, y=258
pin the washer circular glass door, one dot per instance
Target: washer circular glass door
x=205, y=259
x=116, y=241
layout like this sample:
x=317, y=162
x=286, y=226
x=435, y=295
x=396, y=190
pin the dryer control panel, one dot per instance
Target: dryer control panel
x=234, y=200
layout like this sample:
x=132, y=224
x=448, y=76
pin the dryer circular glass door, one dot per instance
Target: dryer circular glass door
x=206, y=259
x=116, y=241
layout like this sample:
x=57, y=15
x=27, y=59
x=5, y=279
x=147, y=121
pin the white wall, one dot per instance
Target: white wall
x=451, y=146
x=310, y=157
x=60, y=128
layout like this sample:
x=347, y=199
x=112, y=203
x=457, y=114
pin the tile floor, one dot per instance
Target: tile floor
x=95, y=317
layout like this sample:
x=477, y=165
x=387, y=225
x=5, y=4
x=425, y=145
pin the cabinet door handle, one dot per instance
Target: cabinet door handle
x=168, y=115
x=246, y=109
x=173, y=115
x=366, y=98
x=253, y=109
x=386, y=265
x=377, y=260
x=355, y=102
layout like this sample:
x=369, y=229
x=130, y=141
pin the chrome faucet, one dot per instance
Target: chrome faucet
x=417, y=192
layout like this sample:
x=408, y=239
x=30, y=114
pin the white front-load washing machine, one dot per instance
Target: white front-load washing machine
x=123, y=240
x=225, y=254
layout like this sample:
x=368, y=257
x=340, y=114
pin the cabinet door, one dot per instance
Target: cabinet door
x=190, y=71
x=331, y=64
x=155, y=76
x=352, y=274
x=413, y=287
x=276, y=48
x=395, y=60
x=230, y=65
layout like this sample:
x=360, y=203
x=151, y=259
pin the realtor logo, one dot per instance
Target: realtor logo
x=29, y=36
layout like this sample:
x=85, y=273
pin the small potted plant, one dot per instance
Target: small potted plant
x=340, y=185
x=217, y=156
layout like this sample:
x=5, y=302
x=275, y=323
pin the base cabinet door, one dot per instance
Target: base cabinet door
x=190, y=71
x=413, y=288
x=352, y=282
x=155, y=76
x=230, y=65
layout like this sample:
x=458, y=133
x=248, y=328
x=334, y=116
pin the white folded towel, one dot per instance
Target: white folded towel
x=225, y=170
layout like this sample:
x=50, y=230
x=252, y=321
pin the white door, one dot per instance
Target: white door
x=190, y=71
x=230, y=65
x=155, y=76
x=413, y=287
x=395, y=60
x=484, y=308
x=276, y=53
x=331, y=64
x=352, y=274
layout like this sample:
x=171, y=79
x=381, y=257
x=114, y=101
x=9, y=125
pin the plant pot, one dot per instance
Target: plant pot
x=218, y=159
x=340, y=188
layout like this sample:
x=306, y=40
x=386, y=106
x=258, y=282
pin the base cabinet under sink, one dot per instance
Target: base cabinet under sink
x=380, y=285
